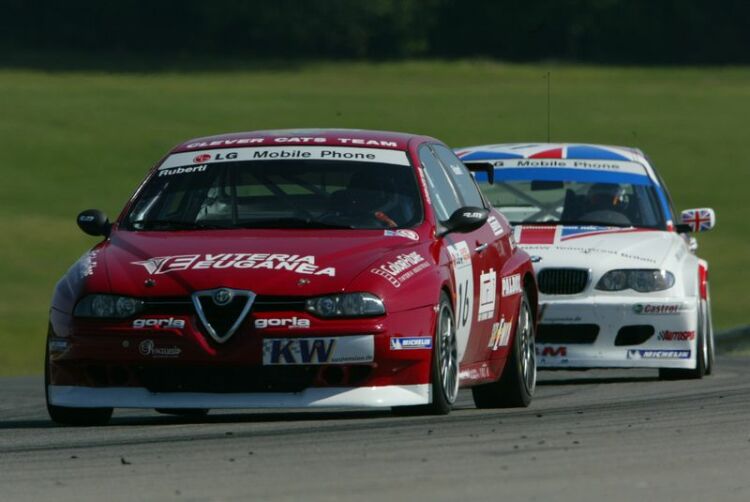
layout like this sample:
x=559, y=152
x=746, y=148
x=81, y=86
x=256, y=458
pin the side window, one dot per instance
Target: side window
x=444, y=197
x=461, y=177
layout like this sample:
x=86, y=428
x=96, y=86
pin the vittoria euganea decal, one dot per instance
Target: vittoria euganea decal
x=284, y=262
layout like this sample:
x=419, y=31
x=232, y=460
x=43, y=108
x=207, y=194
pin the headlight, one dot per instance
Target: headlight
x=346, y=305
x=641, y=280
x=108, y=306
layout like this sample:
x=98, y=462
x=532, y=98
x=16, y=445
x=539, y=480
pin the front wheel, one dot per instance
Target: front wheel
x=515, y=388
x=703, y=352
x=444, y=373
x=73, y=416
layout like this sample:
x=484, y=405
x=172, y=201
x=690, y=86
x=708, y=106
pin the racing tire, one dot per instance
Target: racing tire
x=65, y=415
x=516, y=385
x=184, y=412
x=444, y=372
x=702, y=356
x=709, y=335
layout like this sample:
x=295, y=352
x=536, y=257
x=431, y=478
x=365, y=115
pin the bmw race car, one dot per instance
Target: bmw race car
x=289, y=269
x=620, y=284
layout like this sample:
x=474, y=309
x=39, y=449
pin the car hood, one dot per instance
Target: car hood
x=595, y=247
x=268, y=262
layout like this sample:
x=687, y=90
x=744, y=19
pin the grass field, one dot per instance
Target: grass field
x=76, y=140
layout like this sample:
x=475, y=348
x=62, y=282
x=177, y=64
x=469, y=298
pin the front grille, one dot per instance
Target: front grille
x=184, y=306
x=567, y=333
x=562, y=281
x=222, y=317
x=634, y=335
x=227, y=380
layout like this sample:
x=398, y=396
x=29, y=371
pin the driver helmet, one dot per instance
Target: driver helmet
x=606, y=196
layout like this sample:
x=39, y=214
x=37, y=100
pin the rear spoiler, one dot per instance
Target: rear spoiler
x=482, y=167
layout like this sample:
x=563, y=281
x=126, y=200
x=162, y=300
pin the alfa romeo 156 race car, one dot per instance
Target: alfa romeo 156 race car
x=314, y=268
x=620, y=284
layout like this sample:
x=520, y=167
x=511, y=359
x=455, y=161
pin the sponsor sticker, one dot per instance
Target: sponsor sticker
x=288, y=322
x=512, y=285
x=402, y=268
x=658, y=354
x=601, y=165
x=411, y=342
x=321, y=350
x=495, y=225
x=149, y=348
x=87, y=264
x=183, y=170
x=293, y=263
x=262, y=153
x=159, y=323
x=405, y=233
x=500, y=334
x=487, y=294
x=665, y=308
x=551, y=351
x=676, y=336
x=463, y=275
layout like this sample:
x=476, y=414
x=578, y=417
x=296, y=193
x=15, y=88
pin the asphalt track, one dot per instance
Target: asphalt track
x=597, y=435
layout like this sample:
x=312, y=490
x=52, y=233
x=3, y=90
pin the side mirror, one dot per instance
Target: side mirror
x=94, y=222
x=464, y=220
x=697, y=220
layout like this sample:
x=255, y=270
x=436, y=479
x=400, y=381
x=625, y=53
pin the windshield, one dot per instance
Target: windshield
x=531, y=202
x=278, y=194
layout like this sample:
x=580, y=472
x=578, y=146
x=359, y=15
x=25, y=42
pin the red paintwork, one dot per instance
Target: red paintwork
x=113, y=345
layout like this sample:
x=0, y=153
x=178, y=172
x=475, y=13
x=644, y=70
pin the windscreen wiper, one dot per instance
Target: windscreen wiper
x=175, y=225
x=289, y=223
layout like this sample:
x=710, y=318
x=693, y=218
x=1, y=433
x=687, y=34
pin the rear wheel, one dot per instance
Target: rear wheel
x=709, y=335
x=515, y=387
x=703, y=353
x=444, y=380
x=73, y=416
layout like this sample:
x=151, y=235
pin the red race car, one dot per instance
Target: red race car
x=290, y=269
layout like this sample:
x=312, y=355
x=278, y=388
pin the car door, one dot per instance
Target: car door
x=487, y=256
x=466, y=259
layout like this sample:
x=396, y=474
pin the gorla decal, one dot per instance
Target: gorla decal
x=487, y=294
x=149, y=348
x=463, y=277
x=159, y=323
x=290, y=323
x=323, y=350
x=676, y=336
x=402, y=268
x=512, y=285
x=411, y=342
x=293, y=263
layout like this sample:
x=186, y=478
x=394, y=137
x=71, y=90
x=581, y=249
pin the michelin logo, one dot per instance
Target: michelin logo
x=417, y=342
x=658, y=354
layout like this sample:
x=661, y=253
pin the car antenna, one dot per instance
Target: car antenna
x=548, y=106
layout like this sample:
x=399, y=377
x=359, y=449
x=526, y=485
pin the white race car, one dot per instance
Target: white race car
x=620, y=284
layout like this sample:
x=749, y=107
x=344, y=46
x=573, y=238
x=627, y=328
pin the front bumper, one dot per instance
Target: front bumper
x=617, y=332
x=110, y=364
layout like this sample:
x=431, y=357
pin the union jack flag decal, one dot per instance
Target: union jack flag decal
x=699, y=220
